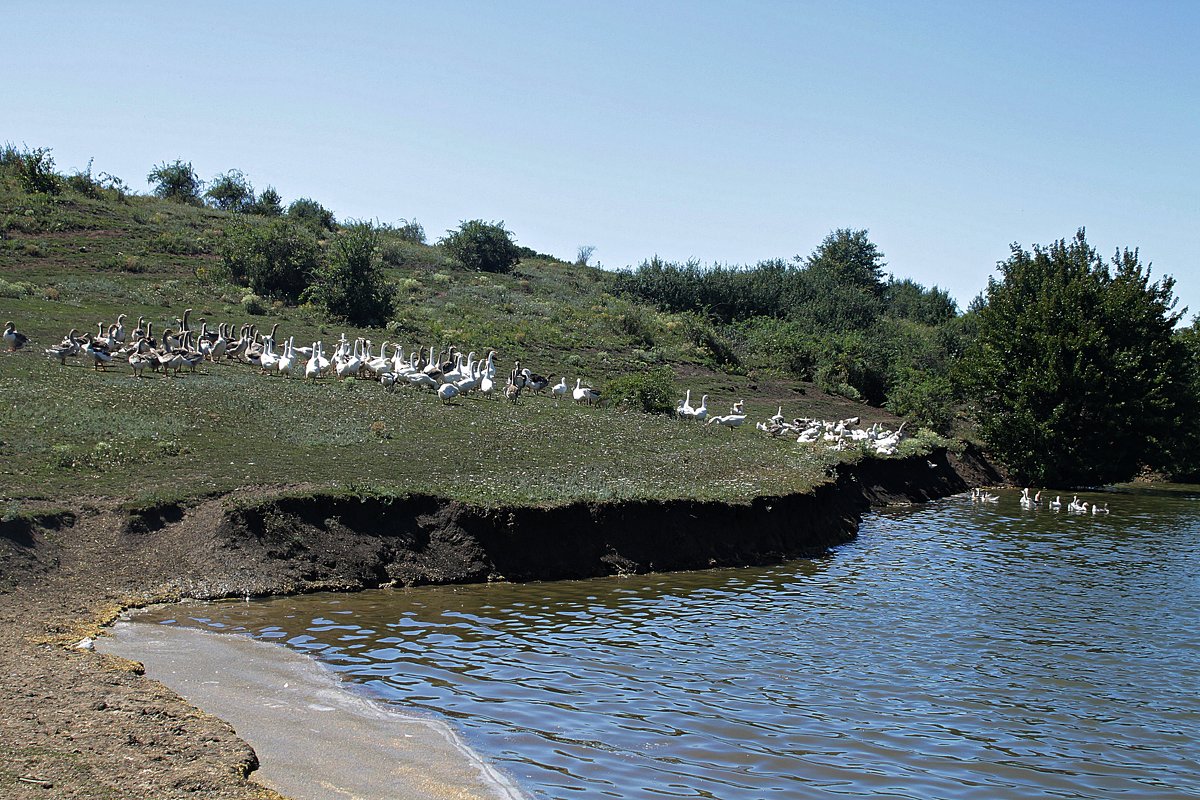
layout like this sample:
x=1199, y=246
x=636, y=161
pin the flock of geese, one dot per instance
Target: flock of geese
x=449, y=373
x=838, y=435
x=1034, y=501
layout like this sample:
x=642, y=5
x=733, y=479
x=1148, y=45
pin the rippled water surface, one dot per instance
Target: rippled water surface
x=952, y=651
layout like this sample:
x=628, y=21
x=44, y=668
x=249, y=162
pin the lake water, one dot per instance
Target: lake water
x=952, y=651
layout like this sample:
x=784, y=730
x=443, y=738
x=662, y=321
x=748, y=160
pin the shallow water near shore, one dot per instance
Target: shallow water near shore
x=953, y=651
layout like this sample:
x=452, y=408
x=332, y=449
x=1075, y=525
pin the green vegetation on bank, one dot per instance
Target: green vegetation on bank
x=70, y=434
x=1041, y=368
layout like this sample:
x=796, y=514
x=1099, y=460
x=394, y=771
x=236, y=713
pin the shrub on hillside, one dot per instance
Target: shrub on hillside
x=313, y=214
x=652, y=392
x=410, y=231
x=482, y=246
x=350, y=284
x=230, y=191
x=35, y=172
x=268, y=204
x=276, y=259
x=177, y=182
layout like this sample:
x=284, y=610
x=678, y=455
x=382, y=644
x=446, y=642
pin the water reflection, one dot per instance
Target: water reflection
x=952, y=651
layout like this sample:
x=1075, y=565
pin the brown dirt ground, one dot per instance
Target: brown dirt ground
x=78, y=724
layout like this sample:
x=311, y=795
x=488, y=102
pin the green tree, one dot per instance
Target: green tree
x=268, y=204
x=482, y=246
x=230, y=191
x=850, y=258
x=1076, y=373
x=276, y=259
x=177, y=182
x=350, y=284
x=1184, y=447
x=313, y=214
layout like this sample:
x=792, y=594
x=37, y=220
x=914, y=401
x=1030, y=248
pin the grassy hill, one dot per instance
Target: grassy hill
x=71, y=433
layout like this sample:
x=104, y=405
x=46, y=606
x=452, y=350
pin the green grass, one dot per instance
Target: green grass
x=70, y=432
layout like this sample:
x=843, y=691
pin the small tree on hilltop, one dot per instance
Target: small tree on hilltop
x=482, y=246
x=230, y=191
x=176, y=182
x=849, y=258
x=350, y=285
x=268, y=204
x=313, y=214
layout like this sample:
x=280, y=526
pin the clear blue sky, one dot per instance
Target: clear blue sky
x=726, y=132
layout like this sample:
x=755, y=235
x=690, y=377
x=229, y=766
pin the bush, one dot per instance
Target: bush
x=276, y=259
x=313, y=214
x=230, y=192
x=84, y=184
x=652, y=392
x=253, y=304
x=410, y=231
x=268, y=204
x=482, y=246
x=350, y=285
x=35, y=172
x=177, y=182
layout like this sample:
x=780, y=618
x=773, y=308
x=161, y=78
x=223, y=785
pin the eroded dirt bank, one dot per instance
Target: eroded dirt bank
x=77, y=724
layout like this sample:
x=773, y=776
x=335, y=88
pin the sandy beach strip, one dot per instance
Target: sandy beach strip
x=314, y=737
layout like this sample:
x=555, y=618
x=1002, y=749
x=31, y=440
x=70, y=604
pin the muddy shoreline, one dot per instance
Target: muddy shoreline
x=79, y=724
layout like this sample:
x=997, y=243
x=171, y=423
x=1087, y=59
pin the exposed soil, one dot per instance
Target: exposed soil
x=78, y=724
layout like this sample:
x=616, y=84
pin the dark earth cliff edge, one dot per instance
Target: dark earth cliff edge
x=78, y=724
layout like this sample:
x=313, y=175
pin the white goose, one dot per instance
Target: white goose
x=287, y=361
x=559, y=389
x=313, y=369
x=700, y=412
x=684, y=410
x=269, y=359
x=729, y=421
x=583, y=394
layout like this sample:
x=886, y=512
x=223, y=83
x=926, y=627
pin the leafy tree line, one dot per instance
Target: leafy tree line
x=832, y=317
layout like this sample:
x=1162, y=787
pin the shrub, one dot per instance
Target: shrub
x=253, y=304
x=410, y=231
x=350, y=285
x=313, y=214
x=82, y=183
x=268, y=204
x=482, y=246
x=276, y=259
x=177, y=182
x=15, y=289
x=652, y=392
x=230, y=192
x=35, y=172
